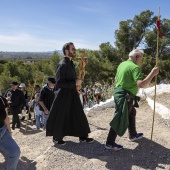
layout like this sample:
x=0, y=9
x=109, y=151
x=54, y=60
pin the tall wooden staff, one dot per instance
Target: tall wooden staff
x=159, y=34
x=32, y=93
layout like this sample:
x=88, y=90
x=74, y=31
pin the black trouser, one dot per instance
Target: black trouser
x=132, y=125
x=15, y=119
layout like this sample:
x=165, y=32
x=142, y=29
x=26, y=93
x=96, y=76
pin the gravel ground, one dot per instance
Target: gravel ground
x=38, y=151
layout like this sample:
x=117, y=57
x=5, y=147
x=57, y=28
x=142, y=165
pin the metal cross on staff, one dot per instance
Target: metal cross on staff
x=82, y=63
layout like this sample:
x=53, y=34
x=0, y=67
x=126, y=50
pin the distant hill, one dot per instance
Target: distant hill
x=27, y=55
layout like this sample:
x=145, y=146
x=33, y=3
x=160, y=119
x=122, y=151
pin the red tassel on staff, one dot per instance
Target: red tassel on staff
x=158, y=23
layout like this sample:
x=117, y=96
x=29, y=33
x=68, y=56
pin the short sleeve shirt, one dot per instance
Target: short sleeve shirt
x=127, y=75
x=46, y=96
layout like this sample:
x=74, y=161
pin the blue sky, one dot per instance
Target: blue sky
x=45, y=25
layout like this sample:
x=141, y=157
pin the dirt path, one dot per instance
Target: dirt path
x=38, y=151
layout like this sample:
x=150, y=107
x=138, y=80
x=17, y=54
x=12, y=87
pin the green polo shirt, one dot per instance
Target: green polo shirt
x=127, y=75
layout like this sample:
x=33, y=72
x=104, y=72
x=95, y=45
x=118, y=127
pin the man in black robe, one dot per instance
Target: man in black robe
x=16, y=101
x=67, y=117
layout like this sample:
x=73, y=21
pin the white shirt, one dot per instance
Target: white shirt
x=37, y=110
x=24, y=112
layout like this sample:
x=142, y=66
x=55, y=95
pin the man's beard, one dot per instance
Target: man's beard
x=71, y=55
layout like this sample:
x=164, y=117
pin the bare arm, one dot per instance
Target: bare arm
x=43, y=106
x=147, y=80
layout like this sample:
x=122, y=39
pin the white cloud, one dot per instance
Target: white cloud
x=26, y=42
x=81, y=43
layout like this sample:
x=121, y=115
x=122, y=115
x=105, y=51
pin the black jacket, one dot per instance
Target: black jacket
x=46, y=96
x=17, y=98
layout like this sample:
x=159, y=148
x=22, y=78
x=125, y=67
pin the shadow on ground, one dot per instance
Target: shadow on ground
x=30, y=129
x=145, y=155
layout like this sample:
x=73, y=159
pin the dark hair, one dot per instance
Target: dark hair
x=37, y=86
x=66, y=47
x=51, y=79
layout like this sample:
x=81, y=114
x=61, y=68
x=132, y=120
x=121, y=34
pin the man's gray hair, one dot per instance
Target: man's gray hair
x=136, y=52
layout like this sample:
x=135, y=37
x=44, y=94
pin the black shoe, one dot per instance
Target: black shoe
x=87, y=140
x=61, y=142
x=115, y=147
x=138, y=136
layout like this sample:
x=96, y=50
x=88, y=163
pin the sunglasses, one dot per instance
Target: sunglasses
x=73, y=49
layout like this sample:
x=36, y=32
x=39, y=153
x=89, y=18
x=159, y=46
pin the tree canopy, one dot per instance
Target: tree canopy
x=139, y=32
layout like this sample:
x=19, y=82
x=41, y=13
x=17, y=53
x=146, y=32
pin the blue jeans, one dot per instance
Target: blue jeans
x=45, y=117
x=9, y=149
x=38, y=119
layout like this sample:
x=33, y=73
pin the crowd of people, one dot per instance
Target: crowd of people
x=93, y=94
x=21, y=104
x=58, y=105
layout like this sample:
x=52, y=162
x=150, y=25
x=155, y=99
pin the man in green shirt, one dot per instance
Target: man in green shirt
x=128, y=79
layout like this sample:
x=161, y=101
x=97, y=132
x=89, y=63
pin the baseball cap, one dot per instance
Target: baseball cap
x=22, y=85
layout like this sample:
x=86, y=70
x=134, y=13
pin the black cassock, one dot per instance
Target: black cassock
x=67, y=117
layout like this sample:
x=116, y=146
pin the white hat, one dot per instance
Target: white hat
x=22, y=85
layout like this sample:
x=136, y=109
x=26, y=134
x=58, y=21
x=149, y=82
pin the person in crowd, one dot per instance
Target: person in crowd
x=8, y=146
x=23, y=89
x=91, y=98
x=161, y=82
x=38, y=113
x=46, y=97
x=82, y=95
x=23, y=114
x=128, y=79
x=85, y=96
x=16, y=101
x=98, y=93
x=67, y=117
x=78, y=87
x=37, y=89
x=22, y=86
x=168, y=80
